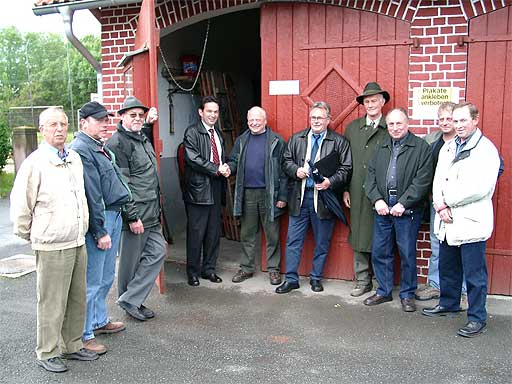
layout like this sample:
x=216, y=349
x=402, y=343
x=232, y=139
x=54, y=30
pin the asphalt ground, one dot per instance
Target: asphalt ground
x=245, y=333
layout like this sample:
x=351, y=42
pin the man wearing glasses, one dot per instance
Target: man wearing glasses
x=305, y=208
x=49, y=209
x=142, y=249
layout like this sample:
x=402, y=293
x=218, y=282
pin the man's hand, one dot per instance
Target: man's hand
x=137, y=227
x=104, y=242
x=397, y=210
x=346, y=199
x=281, y=204
x=446, y=215
x=326, y=184
x=152, y=115
x=381, y=207
x=224, y=170
x=302, y=173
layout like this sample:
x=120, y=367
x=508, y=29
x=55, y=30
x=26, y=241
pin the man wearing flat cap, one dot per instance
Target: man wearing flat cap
x=142, y=249
x=364, y=135
x=106, y=194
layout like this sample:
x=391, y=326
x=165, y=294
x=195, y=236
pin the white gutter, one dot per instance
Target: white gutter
x=67, y=19
x=77, y=5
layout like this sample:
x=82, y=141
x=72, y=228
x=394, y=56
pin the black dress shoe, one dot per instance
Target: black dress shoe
x=147, y=312
x=212, y=277
x=440, y=311
x=472, y=329
x=132, y=310
x=408, y=304
x=287, y=286
x=193, y=281
x=316, y=285
x=377, y=299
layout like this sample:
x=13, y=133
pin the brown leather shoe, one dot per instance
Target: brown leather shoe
x=377, y=299
x=408, y=304
x=275, y=278
x=241, y=276
x=110, y=327
x=93, y=346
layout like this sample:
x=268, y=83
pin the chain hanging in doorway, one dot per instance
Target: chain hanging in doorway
x=200, y=63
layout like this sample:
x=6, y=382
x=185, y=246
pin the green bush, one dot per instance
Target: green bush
x=5, y=144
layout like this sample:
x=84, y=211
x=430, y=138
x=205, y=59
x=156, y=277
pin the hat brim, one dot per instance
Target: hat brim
x=123, y=110
x=360, y=98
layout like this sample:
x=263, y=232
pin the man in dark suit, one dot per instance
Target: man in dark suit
x=204, y=186
x=305, y=208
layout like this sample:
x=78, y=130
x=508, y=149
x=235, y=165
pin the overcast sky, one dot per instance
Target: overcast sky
x=19, y=14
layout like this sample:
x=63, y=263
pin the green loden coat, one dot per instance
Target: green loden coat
x=362, y=145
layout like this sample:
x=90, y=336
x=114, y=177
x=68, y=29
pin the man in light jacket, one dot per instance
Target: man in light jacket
x=464, y=183
x=49, y=209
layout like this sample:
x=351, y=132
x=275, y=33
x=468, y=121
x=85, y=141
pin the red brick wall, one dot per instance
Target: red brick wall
x=438, y=61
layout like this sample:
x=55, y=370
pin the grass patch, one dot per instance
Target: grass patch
x=6, y=182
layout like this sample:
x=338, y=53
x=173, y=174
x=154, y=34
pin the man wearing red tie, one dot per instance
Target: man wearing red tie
x=205, y=173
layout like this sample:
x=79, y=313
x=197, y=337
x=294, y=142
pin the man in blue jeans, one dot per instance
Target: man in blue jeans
x=305, y=206
x=398, y=181
x=106, y=194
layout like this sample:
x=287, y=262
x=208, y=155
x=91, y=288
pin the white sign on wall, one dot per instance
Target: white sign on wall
x=426, y=100
x=283, y=87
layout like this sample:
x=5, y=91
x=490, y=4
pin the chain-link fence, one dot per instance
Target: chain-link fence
x=29, y=116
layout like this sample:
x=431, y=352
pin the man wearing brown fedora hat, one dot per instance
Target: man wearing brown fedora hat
x=142, y=249
x=364, y=134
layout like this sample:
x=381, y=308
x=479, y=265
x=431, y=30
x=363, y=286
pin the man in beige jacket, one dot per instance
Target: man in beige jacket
x=49, y=209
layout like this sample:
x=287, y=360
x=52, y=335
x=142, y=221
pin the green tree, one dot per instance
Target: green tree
x=34, y=71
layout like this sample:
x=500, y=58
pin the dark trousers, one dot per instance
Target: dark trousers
x=455, y=262
x=203, y=233
x=404, y=230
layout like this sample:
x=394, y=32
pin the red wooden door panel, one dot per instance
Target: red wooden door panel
x=329, y=50
x=489, y=86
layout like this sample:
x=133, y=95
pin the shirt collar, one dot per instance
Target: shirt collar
x=369, y=121
x=54, y=150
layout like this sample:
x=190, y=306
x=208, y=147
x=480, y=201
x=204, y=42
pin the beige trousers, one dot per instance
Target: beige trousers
x=61, y=299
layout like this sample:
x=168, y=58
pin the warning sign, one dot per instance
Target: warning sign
x=426, y=101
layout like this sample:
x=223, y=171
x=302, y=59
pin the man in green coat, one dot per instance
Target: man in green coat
x=364, y=134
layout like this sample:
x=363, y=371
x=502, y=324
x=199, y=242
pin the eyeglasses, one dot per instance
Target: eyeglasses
x=318, y=118
x=55, y=124
x=134, y=115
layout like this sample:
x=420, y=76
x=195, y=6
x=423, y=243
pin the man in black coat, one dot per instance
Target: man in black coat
x=398, y=181
x=205, y=173
x=305, y=208
x=260, y=192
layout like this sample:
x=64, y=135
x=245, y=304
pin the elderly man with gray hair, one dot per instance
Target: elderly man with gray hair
x=260, y=192
x=49, y=209
x=309, y=146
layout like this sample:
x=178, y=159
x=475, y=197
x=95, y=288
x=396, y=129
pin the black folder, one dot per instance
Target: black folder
x=328, y=165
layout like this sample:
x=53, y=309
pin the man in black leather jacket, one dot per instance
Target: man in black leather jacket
x=305, y=208
x=205, y=173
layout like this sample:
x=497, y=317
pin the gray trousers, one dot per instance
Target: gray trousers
x=362, y=268
x=140, y=260
x=254, y=213
x=60, y=301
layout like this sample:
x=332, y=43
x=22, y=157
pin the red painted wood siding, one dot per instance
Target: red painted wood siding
x=489, y=87
x=286, y=28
